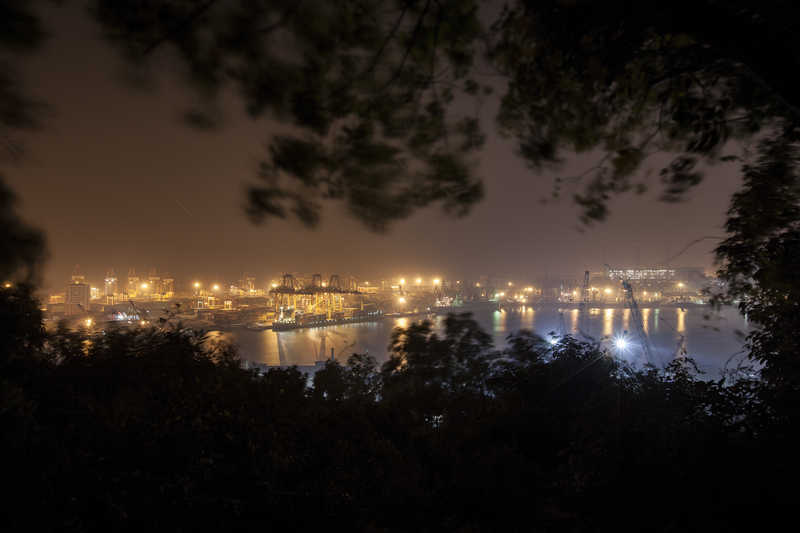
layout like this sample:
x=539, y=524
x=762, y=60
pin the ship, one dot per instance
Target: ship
x=315, y=321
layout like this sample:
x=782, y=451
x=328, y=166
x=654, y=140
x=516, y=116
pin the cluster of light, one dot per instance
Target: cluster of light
x=144, y=285
x=196, y=284
x=607, y=290
x=621, y=343
x=7, y=285
x=642, y=273
x=215, y=287
x=401, y=300
x=418, y=281
x=402, y=281
x=436, y=281
x=510, y=284
x=528, y=289
x=89, y=322
x=274, y=285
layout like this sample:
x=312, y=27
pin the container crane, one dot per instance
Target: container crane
x=135, y=311
x=638, y=321
x=585, y=291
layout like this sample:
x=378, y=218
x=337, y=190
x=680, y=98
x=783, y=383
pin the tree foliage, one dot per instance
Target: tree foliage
x=366, y=88
x=373, y=87
x=158, y=429
x=761, y=258
x=21, y=246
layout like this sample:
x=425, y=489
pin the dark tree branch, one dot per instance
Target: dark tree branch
x=386, y=41
x=180, y=28
x=283, y=19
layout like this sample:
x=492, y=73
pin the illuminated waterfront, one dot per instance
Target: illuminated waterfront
x=711, y=342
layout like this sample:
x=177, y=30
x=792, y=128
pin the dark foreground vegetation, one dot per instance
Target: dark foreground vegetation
x=158, y=429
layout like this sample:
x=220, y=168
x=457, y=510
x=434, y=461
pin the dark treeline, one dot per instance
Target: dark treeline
x=156, y=429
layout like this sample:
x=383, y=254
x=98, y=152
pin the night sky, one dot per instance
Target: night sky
x=116, y=180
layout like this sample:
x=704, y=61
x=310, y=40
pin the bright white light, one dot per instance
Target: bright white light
x=401, y=300
x=621, y=343
x=436, y=281
x=553, y=341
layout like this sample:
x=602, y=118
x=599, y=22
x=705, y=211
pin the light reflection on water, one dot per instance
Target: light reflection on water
x=608, y=322
x=710, y=343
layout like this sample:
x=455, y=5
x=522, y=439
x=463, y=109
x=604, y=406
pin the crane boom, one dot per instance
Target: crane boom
x=630, y=300
x=585, y=291
x=638, y=320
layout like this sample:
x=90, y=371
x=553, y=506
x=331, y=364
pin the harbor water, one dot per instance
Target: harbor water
x=713, y=340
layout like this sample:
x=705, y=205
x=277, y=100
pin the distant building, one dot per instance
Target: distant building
x=167, y=287
x=110, y=285
x=642, y=274
x=77, y=298
x=56, y=298
x=133, y=283
x=152, y=287
x=367, y=289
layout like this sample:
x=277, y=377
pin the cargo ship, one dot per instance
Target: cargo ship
x=302, y=320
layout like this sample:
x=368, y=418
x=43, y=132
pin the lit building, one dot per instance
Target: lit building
x=366, y=288
x=153, y=285
x=56, y=298
x=110, y=284
x=77, y=298
x=247, y=285
x=642, y=274
x=167, y=287
x=133, y=283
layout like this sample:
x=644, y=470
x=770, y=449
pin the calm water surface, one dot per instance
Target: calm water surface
x=711, y=341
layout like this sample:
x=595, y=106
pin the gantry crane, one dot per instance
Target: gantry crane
x=317, y=298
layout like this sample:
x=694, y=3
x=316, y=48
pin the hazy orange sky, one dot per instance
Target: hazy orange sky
x=116, y=180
